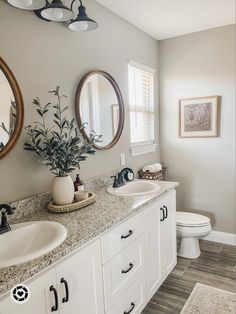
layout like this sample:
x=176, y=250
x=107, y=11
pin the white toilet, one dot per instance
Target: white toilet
x=190, y=228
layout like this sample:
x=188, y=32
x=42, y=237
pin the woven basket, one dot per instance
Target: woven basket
x=158, y=175
x=71, y=207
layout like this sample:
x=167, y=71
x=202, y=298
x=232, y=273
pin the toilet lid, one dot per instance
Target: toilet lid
x=191, y=219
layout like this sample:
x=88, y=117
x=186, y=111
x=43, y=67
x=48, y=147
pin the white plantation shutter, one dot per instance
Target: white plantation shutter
x=141, y=104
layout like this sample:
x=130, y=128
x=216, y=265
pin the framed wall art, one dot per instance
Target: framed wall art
x=199, y=117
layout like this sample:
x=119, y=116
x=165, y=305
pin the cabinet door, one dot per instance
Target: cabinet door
x=168, y=233
x=41, y=301
x=153, y=262
x=80, y=282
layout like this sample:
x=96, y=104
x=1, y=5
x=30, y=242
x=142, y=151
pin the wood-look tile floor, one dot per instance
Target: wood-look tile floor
x=215, y=267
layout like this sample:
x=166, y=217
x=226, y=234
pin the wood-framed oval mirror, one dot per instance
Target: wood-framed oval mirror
x=11, y=109
x=99, y=104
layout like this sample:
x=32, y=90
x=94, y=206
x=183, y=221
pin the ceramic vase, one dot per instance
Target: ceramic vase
x=62, y=190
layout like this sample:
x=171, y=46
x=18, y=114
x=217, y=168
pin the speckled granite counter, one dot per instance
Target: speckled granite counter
x=82, y=226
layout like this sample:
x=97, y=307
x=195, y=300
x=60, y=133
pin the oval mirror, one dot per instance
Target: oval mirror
x=11, y=109
x=99, y=106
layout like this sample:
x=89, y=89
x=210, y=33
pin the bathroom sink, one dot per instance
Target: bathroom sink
x=26, y=241
x=135, y=188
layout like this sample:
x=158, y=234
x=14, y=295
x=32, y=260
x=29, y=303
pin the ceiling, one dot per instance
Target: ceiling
x=170, y=18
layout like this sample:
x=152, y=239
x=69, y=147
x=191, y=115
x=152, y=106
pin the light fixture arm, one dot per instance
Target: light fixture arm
x=71, y=6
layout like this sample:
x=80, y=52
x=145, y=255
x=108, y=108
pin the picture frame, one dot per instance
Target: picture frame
x=199, y=116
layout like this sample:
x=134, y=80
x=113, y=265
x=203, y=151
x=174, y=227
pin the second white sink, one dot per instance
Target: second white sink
x=135, y=188
x=27, y=241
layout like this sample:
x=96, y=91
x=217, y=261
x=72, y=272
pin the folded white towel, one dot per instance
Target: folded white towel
x=157, y=166
x=152, y=168
x=149, y=168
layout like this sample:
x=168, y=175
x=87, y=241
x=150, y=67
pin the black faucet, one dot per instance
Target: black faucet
x=125, y=174
x=4, y=226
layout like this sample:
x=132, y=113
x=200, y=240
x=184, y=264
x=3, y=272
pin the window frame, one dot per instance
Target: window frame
x=144, y=147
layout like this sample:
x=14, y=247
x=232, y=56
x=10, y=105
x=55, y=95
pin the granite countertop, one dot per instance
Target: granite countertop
x=82, y=226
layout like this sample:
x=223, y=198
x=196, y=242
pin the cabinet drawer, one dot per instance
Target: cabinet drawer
x=120, y=237
x=122, y=271
x=132, y=301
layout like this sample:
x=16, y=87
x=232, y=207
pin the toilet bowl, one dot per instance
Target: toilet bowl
x=190, y=228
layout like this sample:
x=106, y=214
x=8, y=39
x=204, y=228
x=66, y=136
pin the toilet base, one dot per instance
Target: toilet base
x=189, y=248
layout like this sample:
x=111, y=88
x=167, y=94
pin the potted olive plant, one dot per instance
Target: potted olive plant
x=60, y=147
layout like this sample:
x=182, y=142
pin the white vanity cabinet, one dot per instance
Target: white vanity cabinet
x=161, y=252
x=74, y=286
x=41, y=301
x=117, y=273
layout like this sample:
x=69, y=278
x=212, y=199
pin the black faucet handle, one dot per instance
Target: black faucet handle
x=8, y=209
x=128, y=174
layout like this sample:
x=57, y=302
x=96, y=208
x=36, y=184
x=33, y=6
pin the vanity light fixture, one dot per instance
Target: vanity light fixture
x=82, y=22
x=28, y=4
x=56, y=11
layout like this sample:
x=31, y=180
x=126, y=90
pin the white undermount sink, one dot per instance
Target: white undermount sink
x=135, y=188
x=30, y=240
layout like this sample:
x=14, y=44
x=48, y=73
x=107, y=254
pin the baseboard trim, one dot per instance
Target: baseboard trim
x=221, y=237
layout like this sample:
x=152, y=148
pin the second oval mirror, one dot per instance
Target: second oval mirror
x=100, y=106
x=11, y=109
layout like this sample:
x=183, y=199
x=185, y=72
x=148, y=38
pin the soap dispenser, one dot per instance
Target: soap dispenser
x=78, y=184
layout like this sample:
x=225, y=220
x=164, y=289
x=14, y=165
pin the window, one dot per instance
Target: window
x=141, y=108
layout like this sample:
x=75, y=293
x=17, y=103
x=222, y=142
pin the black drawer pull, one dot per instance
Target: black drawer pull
x=127, y=235
x=131, y=309
x=166, y=212
x=125, y=271
x=66, y=298
x=163, y=214
x=54, y=308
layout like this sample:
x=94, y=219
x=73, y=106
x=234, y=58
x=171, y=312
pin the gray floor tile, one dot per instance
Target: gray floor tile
x=209, y=246
x=216, y=261
x=230, y=248
x=169, y=300
x=219, y=278
x=152, y=308
x=182, y=264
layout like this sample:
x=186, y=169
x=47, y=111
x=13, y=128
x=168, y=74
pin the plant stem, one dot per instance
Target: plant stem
x=59, y=104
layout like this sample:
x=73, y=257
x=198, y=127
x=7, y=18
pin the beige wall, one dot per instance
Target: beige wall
x=201, y=64
x=43, y=55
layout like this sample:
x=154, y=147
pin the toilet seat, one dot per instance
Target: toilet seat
x=186, y=219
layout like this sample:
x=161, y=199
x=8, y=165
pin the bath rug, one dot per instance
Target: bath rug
x=209, y=300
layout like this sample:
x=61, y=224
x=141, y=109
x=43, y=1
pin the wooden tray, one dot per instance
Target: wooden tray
x=71, y=207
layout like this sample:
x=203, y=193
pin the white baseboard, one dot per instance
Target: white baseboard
x=221, y=237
